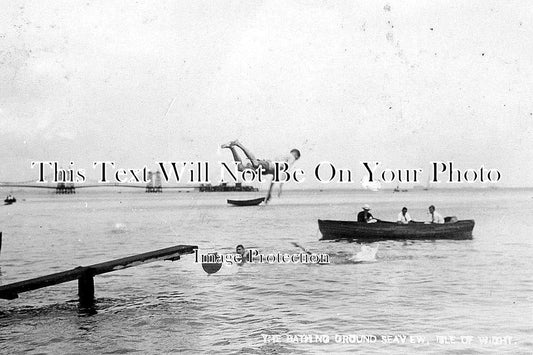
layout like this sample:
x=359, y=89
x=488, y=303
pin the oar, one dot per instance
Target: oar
x=301, y=247
x=306, y=251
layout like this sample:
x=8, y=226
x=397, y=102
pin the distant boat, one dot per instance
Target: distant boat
x=253, y=202
x=10, y=200
x=397, y=189
x=381, y=230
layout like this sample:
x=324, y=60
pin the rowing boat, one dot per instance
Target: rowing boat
x=253, y=202
x=382, y=230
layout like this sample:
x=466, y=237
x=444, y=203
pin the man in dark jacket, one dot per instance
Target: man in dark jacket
x=365, y=216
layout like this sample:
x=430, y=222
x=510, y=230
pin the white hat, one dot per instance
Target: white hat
x=366, y=206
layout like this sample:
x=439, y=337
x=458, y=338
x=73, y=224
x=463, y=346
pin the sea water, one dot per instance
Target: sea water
x=415, y=297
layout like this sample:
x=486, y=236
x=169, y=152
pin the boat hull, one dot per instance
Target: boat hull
x=333, y=230
x=254, y=202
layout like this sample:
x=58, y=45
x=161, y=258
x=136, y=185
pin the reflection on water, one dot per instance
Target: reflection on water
x=479, y=287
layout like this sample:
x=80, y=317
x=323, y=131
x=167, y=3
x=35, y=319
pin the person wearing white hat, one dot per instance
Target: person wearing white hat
x=365, y=216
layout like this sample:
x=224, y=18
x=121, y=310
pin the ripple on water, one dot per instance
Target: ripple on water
x=479, y=287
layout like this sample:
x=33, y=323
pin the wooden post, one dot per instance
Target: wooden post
x=86, y=289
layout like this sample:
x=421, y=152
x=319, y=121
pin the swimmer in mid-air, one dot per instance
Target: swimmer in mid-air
x=267, y=165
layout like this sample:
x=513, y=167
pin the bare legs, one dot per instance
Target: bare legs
x=248, y=154
x=240, y=165
x=254, y=163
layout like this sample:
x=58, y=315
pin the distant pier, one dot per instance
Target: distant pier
x=154, y=186
x=223, y=187
x=63, y=188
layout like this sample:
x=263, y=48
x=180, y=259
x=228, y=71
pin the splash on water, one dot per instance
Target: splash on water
x=366, y=254
x=119, y=228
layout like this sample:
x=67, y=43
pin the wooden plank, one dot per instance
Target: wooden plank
x=12, y=290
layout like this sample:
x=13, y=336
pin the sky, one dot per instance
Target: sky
x=400, y=82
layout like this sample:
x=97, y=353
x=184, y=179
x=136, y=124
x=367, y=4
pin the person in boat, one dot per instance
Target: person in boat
x=267, y=165
x=365, y=216
x=404, y=217
x=435, y=216
x=243, y=253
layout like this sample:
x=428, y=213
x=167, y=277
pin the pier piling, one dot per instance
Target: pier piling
x=86, y=289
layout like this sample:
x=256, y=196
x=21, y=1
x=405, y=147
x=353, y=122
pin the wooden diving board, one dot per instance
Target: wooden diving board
x=85, y=274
